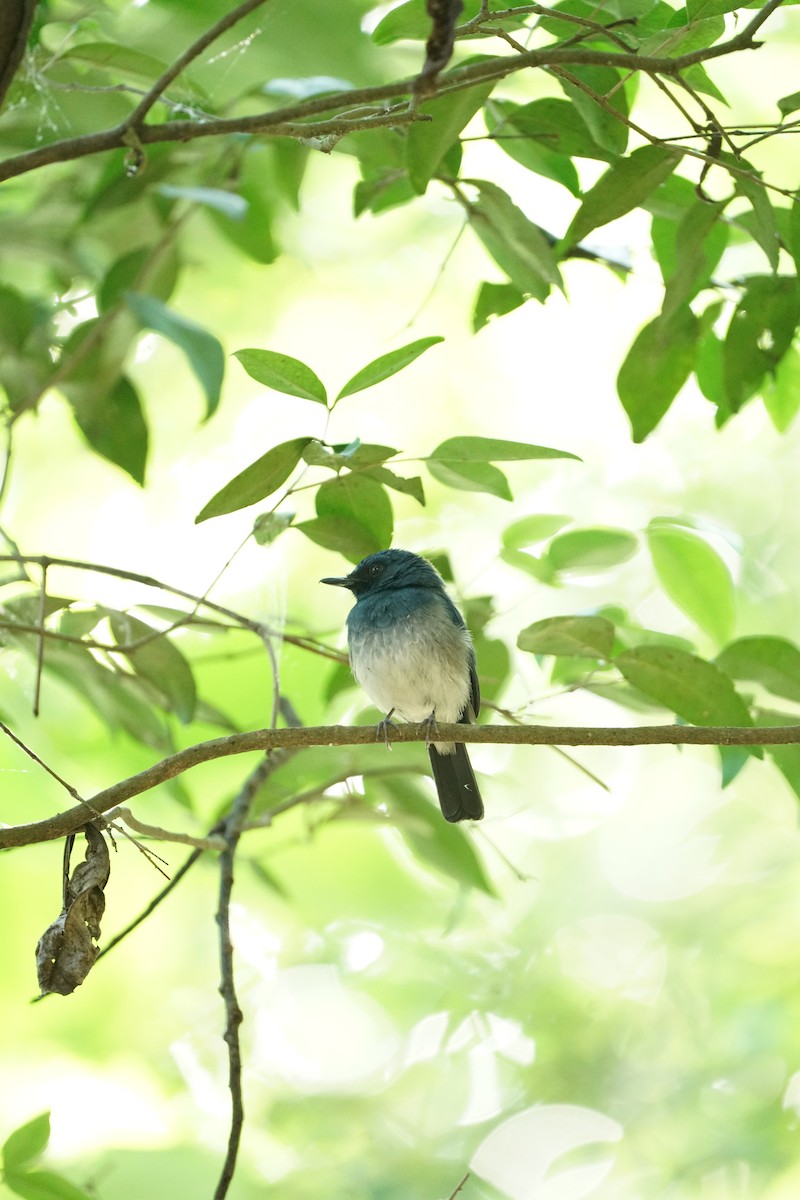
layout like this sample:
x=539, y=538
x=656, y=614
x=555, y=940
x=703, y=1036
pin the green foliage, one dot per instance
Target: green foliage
x=490, y=945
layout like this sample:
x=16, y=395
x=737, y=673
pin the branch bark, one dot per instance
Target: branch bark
x=295, y=120
x=67, y=822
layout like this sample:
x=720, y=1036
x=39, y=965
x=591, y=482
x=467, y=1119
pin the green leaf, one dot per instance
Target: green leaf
x=257, y=481
x=354, y=517
x=760, y=332
x=781, y=393
x=405, y=21
x=427, y=142
x=656, y=368
x=267, y=526
x=689, y=252
x=228, y=203
x=786, y=758
x=519, y=247
x=622, y=188
x=27, y=1142
x=283, y=374
x=386, y=366
x=764, y=226
x=494, y=300
x=789, y=104
x=587, y=637
x=534, y=152
x=407, y=485
x=159, y=662
x=530, y=530
x=554, y=124
x=481, y=450
x=122, y=60
x=696, y=690
x=589, y=549
x=116, y=428
x=539, y=568
x=431, y=839
x=203, y=351
x=139, y=270
x=693, y=576
x=606, y=128
x=250, y=230
x=464, y=463
x=43, y=1185
x=773, y=662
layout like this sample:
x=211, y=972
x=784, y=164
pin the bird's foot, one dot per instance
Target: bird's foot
x=383, y=727
x=431, y=727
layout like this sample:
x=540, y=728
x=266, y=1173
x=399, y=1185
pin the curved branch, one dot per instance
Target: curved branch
x=295, y=120
x=341, y=735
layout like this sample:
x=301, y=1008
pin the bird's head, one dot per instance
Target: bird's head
x=386, y=570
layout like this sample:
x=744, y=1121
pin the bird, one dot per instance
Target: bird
x=411, y=652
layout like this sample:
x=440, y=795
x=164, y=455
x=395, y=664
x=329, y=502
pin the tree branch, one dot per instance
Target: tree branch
x=63, y=823
x=189, y=55
x=295, y=120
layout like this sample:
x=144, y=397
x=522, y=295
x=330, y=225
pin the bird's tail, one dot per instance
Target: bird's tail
x=459, y=797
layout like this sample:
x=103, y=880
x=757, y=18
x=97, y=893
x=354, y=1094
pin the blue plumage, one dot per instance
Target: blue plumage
x=411, y=652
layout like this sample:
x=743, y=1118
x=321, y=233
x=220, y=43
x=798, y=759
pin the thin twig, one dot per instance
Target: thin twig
x=232, y=833
x=192, y=52
x=37, y=691
x=340, y=735
x=294, y=120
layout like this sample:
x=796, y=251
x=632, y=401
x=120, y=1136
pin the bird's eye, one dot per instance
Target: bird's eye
x=375, y=570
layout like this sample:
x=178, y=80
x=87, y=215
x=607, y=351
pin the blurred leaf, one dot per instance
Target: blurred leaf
x=203, y=351
x=428, y=141
x=623, y=187
x=257, y=481
x=656, y=368
x=773, y=662
x=733, y=760
x=228, y=203
x=283, y=374
x=43, y=1185
x=781, y=393
x=354, y=517
x=590, y=549
x=530, y=530
x=689, y=252
x=27, y=1142
x=693, y=576
x=786, y=758
x=250, y=229
x=409, y=20
x=160, y=662
x=494, y=300
x=760, y=332
x=519, y=247
x=139, y=269
x=267, y=526
x=696, y=690
x=431, y=838
x=539, y=567
x=591, y=637
x=464, y=463
x=115, y=428
x=386, y=366
x=124, y=61
x=306, y=86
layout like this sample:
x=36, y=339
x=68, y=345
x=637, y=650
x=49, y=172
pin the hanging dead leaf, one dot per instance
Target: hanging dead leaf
x=67, y=949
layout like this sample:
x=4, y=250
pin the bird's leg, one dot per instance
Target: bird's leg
x=383, y=727
x=430, y=727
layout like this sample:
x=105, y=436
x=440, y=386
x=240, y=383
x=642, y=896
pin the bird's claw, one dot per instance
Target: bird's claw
x=431, y=727
x=383, y=727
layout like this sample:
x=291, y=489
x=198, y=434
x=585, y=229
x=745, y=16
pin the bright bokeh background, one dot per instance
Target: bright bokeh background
x=620, y=1020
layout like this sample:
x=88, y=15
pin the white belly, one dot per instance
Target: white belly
x=405, y=668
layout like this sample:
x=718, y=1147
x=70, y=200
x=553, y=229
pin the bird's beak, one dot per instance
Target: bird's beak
x=338, y=582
